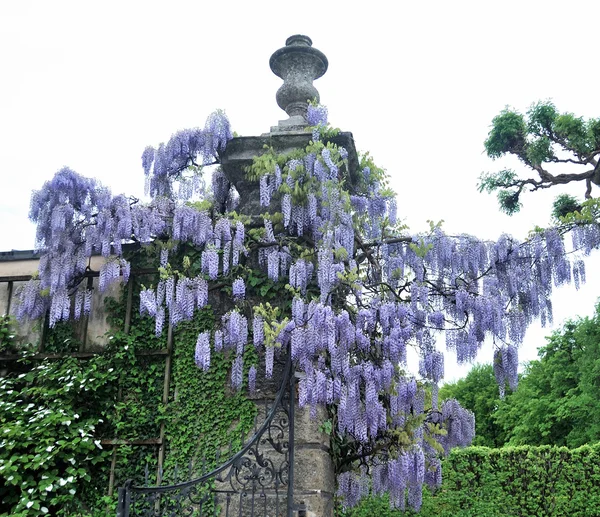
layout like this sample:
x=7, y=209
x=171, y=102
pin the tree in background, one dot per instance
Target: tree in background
x=478, y=392
x=559, y=394
x=554, y=403
x=545, y=141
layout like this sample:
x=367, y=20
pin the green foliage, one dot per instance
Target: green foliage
x=588, y=212
x=62, y=338
x=516, y=134
x=541, y=137
x=377, y=173
x=502, y=181
x=478, y=392
x=574, y=132
x=539, y=151
x=265, y=163
x=420, y=248
x=508, y=482
x=508, y=134
x=558, y=394
x=49, y=446
x=509, y=201
x=199, y=426
x=541, y=118
x=54, y=414
x=563, y=205
x=7, y=335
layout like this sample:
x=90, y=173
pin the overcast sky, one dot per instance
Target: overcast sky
x=89, y=85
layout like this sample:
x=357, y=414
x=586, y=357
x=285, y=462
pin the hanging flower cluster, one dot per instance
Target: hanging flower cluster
x=360, y=290
x=189, y=147
x=77, y=217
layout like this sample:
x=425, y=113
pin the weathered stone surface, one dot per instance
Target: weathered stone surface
x=307, y=430
x=298, y=64
x=313, y=469
x=97, y=325
x=319, y=504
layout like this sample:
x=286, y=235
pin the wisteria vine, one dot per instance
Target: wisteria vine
x=361, y=289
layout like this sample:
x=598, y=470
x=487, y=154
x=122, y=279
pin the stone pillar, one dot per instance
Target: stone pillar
x=298, y=64
x=314, y=483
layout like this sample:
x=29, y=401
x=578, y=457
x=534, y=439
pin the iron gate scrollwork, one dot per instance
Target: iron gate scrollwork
x=256, y=481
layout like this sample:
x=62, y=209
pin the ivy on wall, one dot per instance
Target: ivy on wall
x=205, y=416
x=55, y=413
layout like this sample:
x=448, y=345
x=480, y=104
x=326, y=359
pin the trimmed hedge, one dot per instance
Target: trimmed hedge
x=509, y=482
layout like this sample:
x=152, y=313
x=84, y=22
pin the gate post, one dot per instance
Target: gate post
x=298, y=63
x=124, y=498
x=291, y=422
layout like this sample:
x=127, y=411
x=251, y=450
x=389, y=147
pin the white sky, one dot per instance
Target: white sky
x=89, y=85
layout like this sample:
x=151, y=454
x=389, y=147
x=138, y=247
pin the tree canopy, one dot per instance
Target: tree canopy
x=559, y=393
x=545, y=141
x=557, y=397
x=356, y=287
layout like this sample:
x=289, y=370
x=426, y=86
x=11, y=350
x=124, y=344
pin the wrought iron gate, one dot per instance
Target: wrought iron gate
x=256, y=481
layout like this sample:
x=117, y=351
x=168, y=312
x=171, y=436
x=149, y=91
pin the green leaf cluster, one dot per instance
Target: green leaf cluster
x=540, y=138
x=7, y=335
x=531, y=137
x=204, y=418
x=568, y=211
x=50, y=421
x=508, y=134
x=563, y=205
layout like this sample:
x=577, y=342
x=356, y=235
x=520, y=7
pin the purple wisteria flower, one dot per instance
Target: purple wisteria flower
x=210, y=263
x=78, y=305
x=237, y=372
x=87, y=302
x=218, y=340
x=202, y=354
x=258, y=332
x=164, y=257
x=160, y=321
x=286, y=209
x=316, y=115
x=221, y=188
x=326, y=154
x=265, y=191
x=187, y=147
x=238, y=289
x=252, y=379
x=148, y=302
